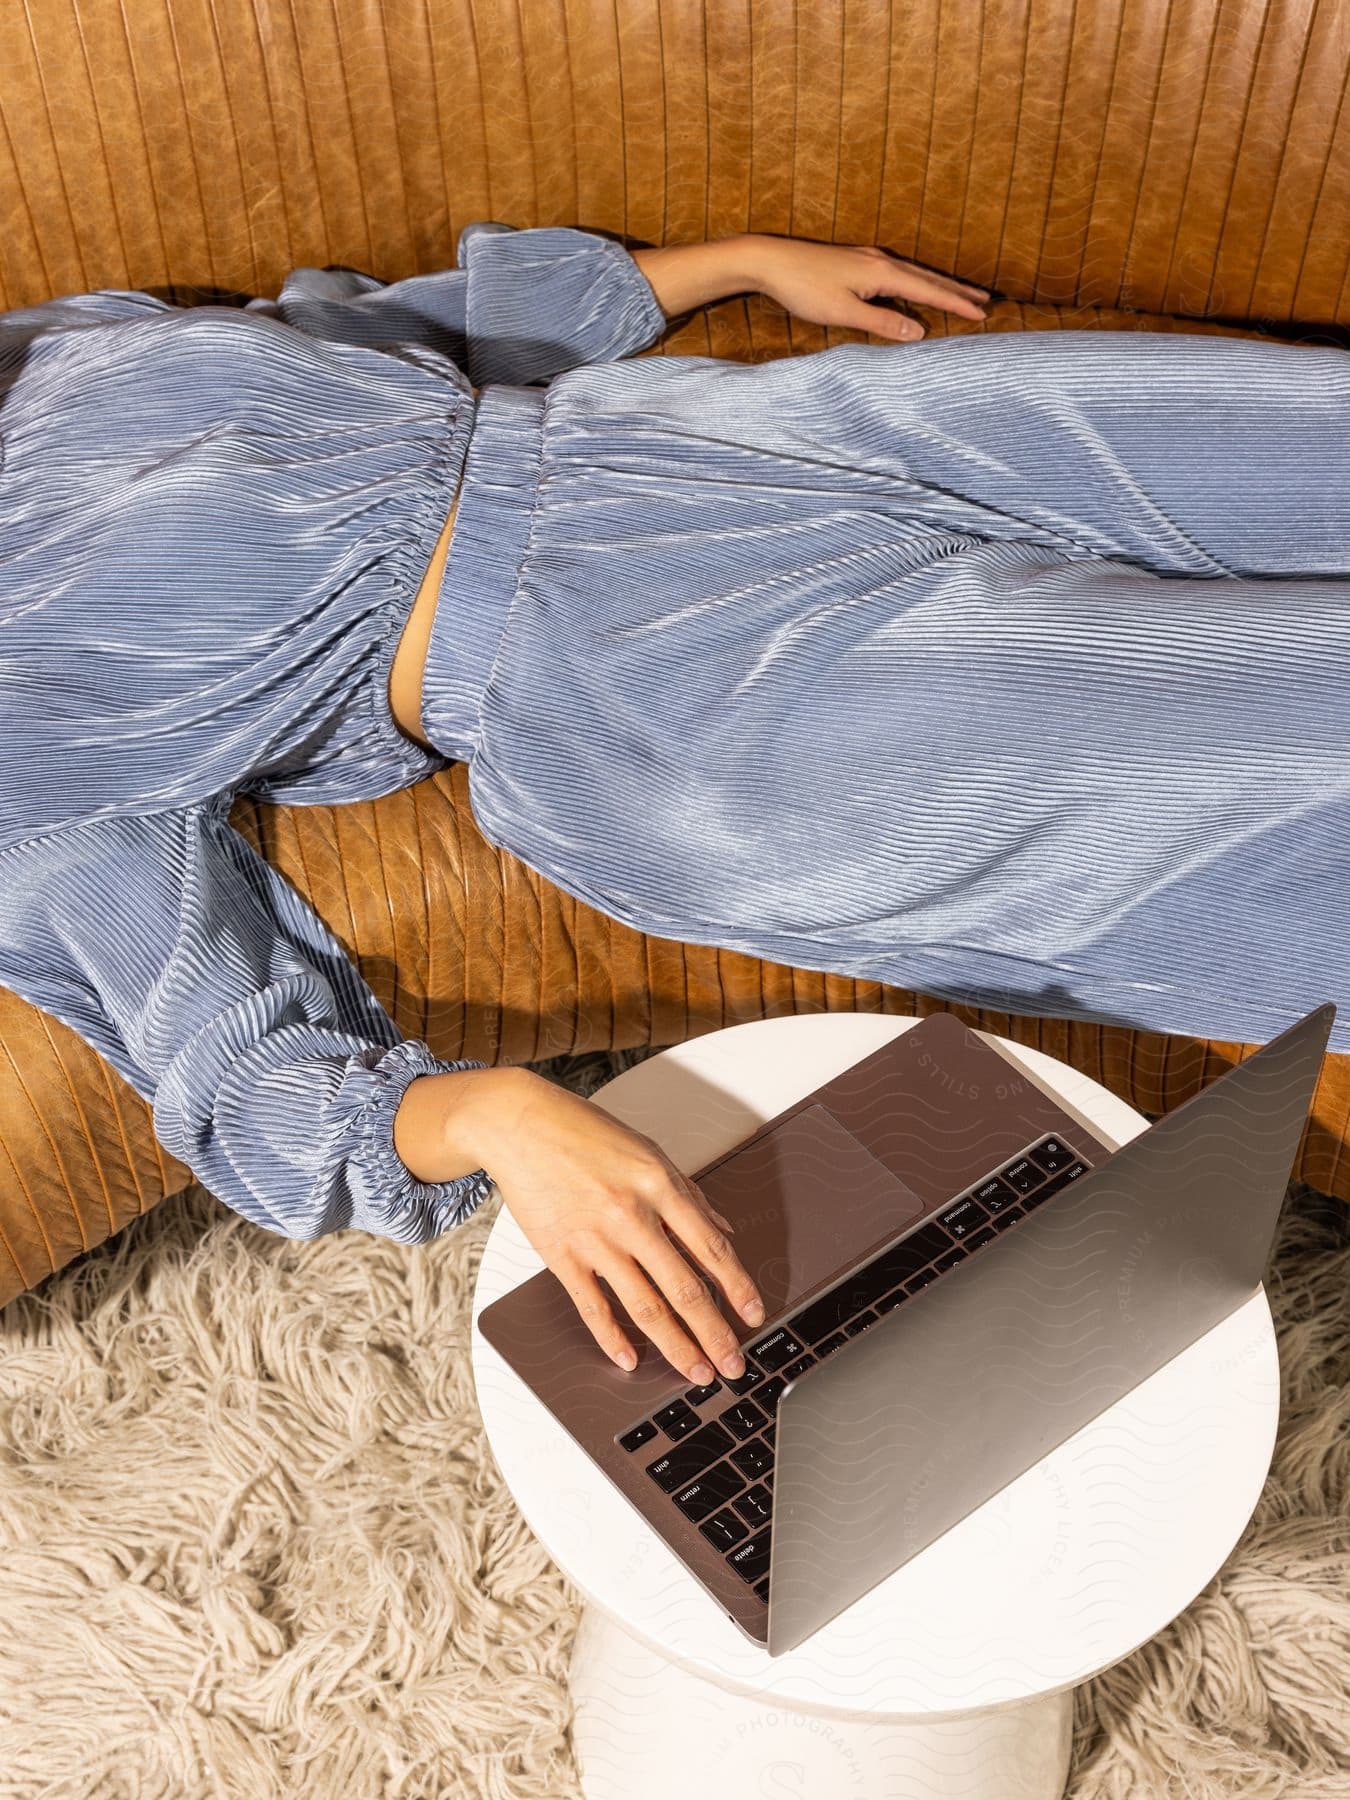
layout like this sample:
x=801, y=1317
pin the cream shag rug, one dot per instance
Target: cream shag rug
x=252, y=1542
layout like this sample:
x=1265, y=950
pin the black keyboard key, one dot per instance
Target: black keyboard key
x=743, y=1383
x=1022, y=1175
x=1009, y=1216
x=828, y=1346
x=949, y=1261
x=994, y=1195
x=696, y=1396
x=751, y=1561
x=913, y=1252
x=827, y=1313
x=756, y=1507
x=981, y=1237
x=771, y=1393
x=860, y=1324
x=638, y=1436
x=769, y=1433
x=891, y=1301
x=676, y=1420
x=963, y=1218
x=1055, y=1185
x=768, y=1481
x=713, y=1488
x=1054, y=1154
x=744, y=1418
x=762, y=1591
x=802, y=1364
x=921, y=1280
x=865, y=1286
x=753, y=1459
x=778, y=1348
x=690, y=1457
x=724, y=1530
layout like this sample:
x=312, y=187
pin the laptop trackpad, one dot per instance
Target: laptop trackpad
x=807, y=1200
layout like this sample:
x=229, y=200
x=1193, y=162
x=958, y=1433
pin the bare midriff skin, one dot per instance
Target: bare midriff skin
x=409, y=664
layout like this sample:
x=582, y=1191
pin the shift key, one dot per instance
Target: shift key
x=690, y=1457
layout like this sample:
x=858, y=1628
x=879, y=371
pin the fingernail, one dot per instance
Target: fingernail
x=733, y=1366
x=753, y=1313
x=626, y=1359
x=702, y=1373
x=913, y=331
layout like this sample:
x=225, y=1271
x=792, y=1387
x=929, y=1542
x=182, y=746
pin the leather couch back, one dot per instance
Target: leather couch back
x=1167, y=158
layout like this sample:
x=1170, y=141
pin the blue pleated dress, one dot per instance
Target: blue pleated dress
x=1014, y=669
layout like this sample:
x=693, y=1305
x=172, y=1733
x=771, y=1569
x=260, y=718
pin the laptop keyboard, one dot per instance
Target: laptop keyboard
x=715, y=1444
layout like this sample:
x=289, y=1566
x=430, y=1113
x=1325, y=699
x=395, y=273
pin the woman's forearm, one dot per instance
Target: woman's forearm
x=685, y=276
x=446, y=1124
x=599, y=1201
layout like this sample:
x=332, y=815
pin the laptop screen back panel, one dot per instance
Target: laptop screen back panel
x=919, y=1420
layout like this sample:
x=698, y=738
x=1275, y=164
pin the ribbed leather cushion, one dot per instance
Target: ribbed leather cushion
x=1173, y=161
x=1182, y=159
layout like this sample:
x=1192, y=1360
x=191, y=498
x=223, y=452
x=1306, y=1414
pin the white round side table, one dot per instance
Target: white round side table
x=955, y=1676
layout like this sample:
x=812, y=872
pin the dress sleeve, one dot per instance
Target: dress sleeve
x=191, y=965
x=521, y=306
x=67, y=312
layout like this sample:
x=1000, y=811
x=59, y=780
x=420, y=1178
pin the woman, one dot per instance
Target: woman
x=861, y=660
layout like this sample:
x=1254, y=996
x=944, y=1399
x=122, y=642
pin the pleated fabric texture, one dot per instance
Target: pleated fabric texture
x=215, y=523
x=1014, y=670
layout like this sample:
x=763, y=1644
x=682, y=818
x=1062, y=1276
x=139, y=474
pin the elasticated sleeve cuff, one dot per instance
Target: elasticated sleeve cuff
x=389, y=1199
x=209, y=983
x=550, y=298
x=522, y=305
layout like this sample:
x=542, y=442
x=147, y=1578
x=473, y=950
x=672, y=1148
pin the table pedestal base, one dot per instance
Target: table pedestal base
x=647, y=1727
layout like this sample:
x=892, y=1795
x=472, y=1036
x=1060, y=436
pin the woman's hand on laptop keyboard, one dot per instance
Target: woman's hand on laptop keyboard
x=598, y=1199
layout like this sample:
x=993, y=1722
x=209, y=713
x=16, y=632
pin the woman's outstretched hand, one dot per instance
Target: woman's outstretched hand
x=836, y=284
x=598, y=1199
x=827, y=284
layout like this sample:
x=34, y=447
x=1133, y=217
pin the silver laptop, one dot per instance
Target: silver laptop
x=958, y=1275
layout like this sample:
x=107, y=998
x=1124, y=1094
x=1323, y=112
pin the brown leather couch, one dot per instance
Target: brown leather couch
x=1116, y=166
